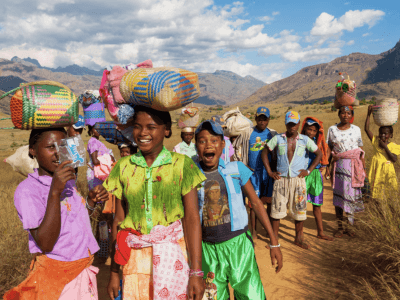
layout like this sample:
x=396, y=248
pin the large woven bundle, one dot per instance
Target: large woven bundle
x=163, y=89
x=345, y=92
x=235, y=122
x=110, y=132
x=189, y=117
x=44, y=104
x=386, y=112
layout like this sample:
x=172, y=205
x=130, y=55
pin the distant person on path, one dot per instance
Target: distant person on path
x=248, y=147
x=228, y=248
x=382, y=175
x=161, y=224
x=348, y=168
x=290, y=184
x=186, y=147
x=313, y=128
x=56, y=217
x=228, y=144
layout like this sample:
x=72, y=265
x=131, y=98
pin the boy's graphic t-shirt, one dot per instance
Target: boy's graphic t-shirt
x=260, y=180
x=216, y=213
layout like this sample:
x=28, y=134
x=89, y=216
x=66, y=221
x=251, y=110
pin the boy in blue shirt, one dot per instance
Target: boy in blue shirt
x=228, y=249
x=290, y=185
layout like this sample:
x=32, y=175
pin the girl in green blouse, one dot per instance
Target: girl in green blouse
x=153, y=187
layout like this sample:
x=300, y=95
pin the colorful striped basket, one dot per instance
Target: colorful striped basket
x=386, y=112
x=163, y=89
x=94, y=113
x=109, y=131
x=43, y=104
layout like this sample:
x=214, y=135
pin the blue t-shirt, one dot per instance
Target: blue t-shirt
x=262, y=183
x=312, y=156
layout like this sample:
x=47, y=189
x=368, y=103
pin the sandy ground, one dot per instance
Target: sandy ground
x=306, y=274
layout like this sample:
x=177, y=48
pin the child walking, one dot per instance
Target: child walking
x=382, y=175
x=57, y=220
x=290, y=185
x=156, y=217
x=314, y=129
x=228, y=249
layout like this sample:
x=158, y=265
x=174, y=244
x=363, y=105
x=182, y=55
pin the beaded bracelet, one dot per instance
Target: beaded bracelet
x=275, y=246
x=88, y=206
x=198, y=273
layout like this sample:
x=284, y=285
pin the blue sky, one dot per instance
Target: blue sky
x=269, y=40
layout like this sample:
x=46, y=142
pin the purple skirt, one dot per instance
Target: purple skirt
x=317, y=200
x=344, y=195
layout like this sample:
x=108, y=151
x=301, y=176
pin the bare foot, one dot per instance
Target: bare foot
x=301, y=243
x=350, y=233
x=338, y=233
x=324, y=237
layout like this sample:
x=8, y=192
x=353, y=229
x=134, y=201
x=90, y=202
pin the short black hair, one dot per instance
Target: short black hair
x=389, y=127
x=36, y=134
x=207, y=126
x=160, y=117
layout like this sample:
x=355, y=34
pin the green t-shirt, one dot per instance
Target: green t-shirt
x=154, y=194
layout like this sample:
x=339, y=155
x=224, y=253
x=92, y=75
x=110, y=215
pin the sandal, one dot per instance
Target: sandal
x=338, y=233
x=350, y=233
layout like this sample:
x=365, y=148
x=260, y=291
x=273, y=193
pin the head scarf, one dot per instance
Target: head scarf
x=349, y=108
x=321, y=143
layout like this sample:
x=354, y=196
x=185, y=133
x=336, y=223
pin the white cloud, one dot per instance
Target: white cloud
x=195, y=35
x=350, y=43
x=328, y=25
x=366, y=34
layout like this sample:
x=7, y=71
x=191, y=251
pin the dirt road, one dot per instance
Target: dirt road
x=305, y=274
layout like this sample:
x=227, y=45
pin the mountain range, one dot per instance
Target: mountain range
x=375, y=76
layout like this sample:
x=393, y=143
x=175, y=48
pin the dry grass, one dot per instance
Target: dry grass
x=370, y=270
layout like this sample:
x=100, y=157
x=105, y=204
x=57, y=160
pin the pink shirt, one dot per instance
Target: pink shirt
x=75, y=237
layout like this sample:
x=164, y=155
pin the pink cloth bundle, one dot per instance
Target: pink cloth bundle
x=357, y=168
x=170, y=268
x=104, y=169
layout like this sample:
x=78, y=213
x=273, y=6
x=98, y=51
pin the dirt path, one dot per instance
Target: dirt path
x=306, y=273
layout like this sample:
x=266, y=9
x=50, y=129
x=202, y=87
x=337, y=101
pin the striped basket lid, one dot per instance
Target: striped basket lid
x=43, y=104
x=163, y=89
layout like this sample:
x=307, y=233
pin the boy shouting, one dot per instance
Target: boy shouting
x=228, y=250
x=290, y=185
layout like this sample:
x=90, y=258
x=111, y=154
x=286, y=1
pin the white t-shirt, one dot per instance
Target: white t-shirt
x=344, y=140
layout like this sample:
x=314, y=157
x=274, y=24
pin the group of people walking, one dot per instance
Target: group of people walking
x=180, y=229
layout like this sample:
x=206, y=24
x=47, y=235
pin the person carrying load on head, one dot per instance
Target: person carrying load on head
x=187, y=147
x=248, y=147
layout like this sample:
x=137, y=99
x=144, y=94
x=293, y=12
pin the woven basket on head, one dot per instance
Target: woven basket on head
x=345, y=92
x=386, y=112
x=163, y=89
x=43, y=104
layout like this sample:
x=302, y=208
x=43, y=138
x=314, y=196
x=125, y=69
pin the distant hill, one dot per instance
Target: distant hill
x=375, y=75
x=7, y=83
x=5, y=104
x=72, y=69
x=226, y=88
